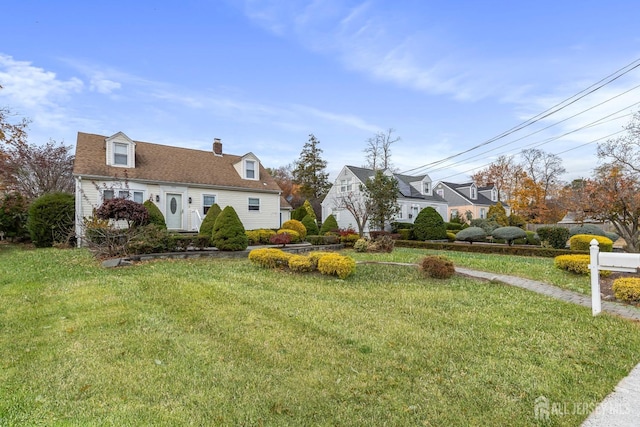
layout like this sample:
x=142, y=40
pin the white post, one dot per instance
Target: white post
x=595, y=278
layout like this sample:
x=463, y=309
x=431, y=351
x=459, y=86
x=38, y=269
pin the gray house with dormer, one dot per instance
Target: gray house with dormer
x=468, y=198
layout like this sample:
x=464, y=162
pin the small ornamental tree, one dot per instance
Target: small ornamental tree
x=311, y=226
x=228, y=232
x=329, y=224
x=13, y=216
x=51, y=219
x=472, y=234
x=206, y=228
x=298, y=213
x=155, y=216
x=509, y=234
x=429, y=225
x=135, y=214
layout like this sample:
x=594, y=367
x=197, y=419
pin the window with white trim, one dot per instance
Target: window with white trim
x=483, y=213
x=345, y=185
x=454, y=213
x=440, y=192
x=426, y=188
x=107, y=195
x=494, y=195
x=474, y=194
x=208, y=200
x=250, y=169
x=120, y=154
x=254, y=204
x=135, y=195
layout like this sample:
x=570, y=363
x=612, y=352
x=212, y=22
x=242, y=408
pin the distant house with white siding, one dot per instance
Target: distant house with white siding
x=415, y=193
x=182, y=182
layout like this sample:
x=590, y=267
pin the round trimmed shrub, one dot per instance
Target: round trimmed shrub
x=228, y=232
x=155, y=216
x=437, y=267
x=627, y=289
x=556, y=237
x=586, y=229
x=361, y=245
x=472, y=234
x=330, y=224
x=311, y=226
x=269, y=257
x=297, y=226
x=206, y=228
x=578, y=264
x=429, y=225
x=509, y=234
x=51, y=219
x=582, y=242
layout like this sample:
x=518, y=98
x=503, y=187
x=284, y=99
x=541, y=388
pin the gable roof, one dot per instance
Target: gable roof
x=166, y=164
x=481, y=199
x=404, y=183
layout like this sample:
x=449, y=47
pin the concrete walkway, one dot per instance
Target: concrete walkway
x=621, y=408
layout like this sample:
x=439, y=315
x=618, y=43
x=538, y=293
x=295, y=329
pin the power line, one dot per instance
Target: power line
x=548, y=112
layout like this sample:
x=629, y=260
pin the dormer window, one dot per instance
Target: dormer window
x=474, y=192
x=120, y=150
x=494, y=195
x=250, y=169
x=120, y=157
x=426, y=188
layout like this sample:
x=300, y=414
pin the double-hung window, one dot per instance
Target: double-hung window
x=208, y=200
x=120, y=154
x=254, y=204
x=250, y=169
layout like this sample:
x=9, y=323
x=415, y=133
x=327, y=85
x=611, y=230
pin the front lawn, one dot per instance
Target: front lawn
x=534, y=268
x=222, y=342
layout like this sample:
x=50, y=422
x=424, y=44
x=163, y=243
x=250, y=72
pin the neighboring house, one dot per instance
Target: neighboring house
x=468, y=197
x=415, y=193
x=183, y=183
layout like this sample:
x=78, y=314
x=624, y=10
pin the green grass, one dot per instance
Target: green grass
x=535, y=268
x=222, y=342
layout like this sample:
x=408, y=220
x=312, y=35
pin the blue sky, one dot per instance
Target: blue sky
x=263, y=75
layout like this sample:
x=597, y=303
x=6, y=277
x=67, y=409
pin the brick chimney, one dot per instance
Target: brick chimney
x=217, y=147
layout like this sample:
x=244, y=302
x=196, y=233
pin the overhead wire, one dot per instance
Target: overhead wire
x=546, y=113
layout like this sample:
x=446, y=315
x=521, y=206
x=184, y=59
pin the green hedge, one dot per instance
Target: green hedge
x=487, y=249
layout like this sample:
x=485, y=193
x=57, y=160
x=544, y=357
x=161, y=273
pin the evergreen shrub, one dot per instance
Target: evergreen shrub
x=51, y=219
x=297, y=226
x=582, y=242
x=472, y=234
x=437, y=267
x=155, y=216
x=556, y=237
x=337, y=265
x=509, y=234
x=627, y=289
x=429, y=225
x=228, y=232
x=329, y=225
x=206, y=228
x=310, y=225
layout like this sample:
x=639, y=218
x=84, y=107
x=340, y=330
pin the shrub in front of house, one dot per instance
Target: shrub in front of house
x=150, y=239
x=451, y=236
x=119, y=209
x=487, y=225
x=329, y=225
x=336, y=265
x=299, y=213
x=260, y=236
x=206, y=228
x=269, y=257
x=382, y=243
x=329, y=239
x=349, y=239
x=594, y=230
x=228, y=232
x=437, y=267
x=297, y=226
x=316, y=255
x=509, y=234
x=51, y=219
x=472, y=234
x=582, y=242
x=310, y=225
x=556, y=237
x=294, y=235
x=281, y=239
x=155, y=216
x=429, y=225
x=627, y=289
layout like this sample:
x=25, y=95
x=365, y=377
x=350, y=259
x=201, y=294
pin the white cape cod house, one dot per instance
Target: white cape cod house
x=182, y=182
x=415, y=193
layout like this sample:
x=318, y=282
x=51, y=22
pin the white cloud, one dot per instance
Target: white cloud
x=104, y=86
x=31, y=87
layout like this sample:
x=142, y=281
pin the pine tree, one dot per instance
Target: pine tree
x=381, y=192
x=309, y=171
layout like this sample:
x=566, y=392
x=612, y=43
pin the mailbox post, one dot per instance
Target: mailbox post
x=610, y=261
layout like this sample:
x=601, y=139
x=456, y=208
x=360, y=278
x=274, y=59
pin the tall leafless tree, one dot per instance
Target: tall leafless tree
x=378, y=150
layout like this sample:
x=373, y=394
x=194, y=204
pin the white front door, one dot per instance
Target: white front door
x=173, y=211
